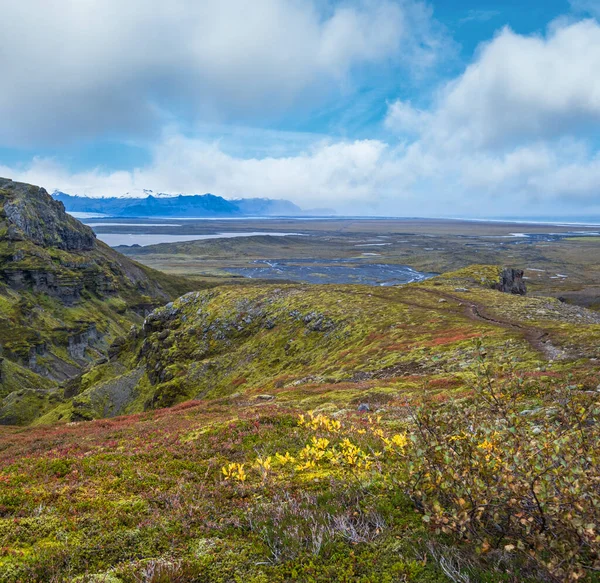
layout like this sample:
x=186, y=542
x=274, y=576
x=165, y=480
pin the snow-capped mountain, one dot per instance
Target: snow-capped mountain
x=147, y=203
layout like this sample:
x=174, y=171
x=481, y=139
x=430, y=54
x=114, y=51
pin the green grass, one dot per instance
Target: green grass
x=585, y=239
x=113, y=500
x=326, y=346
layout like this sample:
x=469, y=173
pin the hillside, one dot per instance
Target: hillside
x=64, y=297
x=452, y=437
x=446, y=430
x=327, y=345
x=320, y=344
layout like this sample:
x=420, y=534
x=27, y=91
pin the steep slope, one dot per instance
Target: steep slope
x=333, y=346
x=64, y=297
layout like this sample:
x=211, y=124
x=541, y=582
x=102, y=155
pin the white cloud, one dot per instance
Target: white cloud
x=586, y=6
x=478, y=16
x=325, y=174
x=332, y=172
x=515, y=133
x=363, y=177
x=79, y=68
x=526, y=87
x=403, y=118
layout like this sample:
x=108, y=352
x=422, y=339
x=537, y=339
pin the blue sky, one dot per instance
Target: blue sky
x=397, y=107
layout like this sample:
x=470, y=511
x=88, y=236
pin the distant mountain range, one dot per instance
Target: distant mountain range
x=146, y=203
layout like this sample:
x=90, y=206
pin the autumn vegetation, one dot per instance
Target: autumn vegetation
x=500, y=484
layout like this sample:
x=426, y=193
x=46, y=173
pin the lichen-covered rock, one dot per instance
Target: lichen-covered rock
x=78, y=343
x=67, y=288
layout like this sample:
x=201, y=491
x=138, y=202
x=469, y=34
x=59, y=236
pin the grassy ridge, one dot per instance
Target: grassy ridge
x=325, y=345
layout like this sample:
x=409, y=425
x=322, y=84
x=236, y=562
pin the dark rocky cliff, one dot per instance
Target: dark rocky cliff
x=45, y=250
x=64, y=295
x=30, y=213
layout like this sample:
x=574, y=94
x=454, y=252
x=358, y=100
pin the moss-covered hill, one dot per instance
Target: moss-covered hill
x=436, y=432
x=329, y=347
x=439, y=431
x=64, y=297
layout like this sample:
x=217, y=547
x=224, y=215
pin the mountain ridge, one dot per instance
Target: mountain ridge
x=151, y=204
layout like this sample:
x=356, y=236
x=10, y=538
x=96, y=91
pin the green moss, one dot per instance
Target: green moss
x=313, y=346
x=485, y=275
x=23, y=406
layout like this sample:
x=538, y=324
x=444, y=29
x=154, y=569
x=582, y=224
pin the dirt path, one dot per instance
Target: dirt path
x=537, y=338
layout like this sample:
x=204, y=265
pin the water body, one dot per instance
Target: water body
x=132, y=225
x=332, y=271
x=144, y=239
x=87, y=215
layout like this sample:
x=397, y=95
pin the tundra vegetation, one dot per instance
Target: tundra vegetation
x=439, y=431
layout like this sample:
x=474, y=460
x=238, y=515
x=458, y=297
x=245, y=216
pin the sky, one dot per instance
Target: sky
x=373, y=107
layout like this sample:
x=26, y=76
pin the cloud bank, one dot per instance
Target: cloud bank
x=81, y=68
x=518, y=128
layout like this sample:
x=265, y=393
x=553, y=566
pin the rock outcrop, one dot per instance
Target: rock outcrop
x=30, y=213
x=45, y=250
x=64, y=295
x=512, y=282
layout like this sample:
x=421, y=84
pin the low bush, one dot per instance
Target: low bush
x=514, y=471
